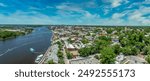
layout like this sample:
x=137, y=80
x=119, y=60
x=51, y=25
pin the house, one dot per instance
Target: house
x=115, y=39
x=69, y=46
x=119, y=58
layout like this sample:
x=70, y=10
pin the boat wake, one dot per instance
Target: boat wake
x=11, y=49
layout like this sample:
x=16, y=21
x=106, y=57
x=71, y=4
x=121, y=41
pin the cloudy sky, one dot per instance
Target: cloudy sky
x=96, y=12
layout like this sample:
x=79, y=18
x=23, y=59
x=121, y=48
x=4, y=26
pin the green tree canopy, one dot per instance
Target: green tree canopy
x=148, y=59
x=117, y=49
x=69, y=55
x=146, y=50
x=107, y=55
x=51, y=62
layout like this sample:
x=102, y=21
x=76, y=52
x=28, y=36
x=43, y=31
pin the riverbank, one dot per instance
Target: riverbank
x=45, y=56
x=19, y=47
x=6, y=34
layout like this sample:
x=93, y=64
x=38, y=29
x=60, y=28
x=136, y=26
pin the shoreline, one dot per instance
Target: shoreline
x=45, y=55
x=21, y=47
x=15, y=36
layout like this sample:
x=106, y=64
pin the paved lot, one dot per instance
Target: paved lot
x=86, y=60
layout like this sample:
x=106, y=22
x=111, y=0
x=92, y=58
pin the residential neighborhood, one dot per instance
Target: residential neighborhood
x=100, y=45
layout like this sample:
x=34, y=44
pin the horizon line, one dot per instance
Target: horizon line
x=76, y=24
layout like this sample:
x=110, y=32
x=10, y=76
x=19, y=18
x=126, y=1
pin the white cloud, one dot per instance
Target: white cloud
x=110, y=4
x=106, y=11
x=117, y=15
x=133, y=17
x=3, y=5
x=66, y=10
x=69, y=7
x=146, y=2
x=22, y=18
x=34, y=8
x=138, y=15
x=116, y=3
x=90, y=4
x=69, y=13
x=139, y=3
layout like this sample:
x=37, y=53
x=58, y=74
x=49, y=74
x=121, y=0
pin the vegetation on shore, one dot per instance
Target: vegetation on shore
x=7, y=33
x=51, y=62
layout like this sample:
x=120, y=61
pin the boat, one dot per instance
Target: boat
x=38, y=58
x=32, y=50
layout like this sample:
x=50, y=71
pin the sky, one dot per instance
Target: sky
x=79, y=12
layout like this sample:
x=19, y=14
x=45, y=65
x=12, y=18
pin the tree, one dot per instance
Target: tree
x=69, y=55
x=124, y=42
x=84, y=41
x=61, y=61
x=69, y=40
x=59, y=44
x=89, y=50
x=88, y=34
x=97, y=57
x=84, y=52
x=107, y=55
x=148, y=58
x=106, y=38
x=51, y=62
x=146, y=50
x=117, y=49
x=60, y=54
x=9, y=34
x=141, y=36
x=109, y=30
x=140, y=45
x=134, y=51
x=147, y=40
x=126, y=50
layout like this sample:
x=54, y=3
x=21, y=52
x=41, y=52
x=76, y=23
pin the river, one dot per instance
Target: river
x=17, y=50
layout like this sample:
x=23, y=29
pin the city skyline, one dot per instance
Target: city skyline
x=88, y=12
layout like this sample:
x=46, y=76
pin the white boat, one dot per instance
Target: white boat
x=32, y=50
x=38, y=58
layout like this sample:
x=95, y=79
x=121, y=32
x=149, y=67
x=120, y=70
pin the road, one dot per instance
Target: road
x=65, y=56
